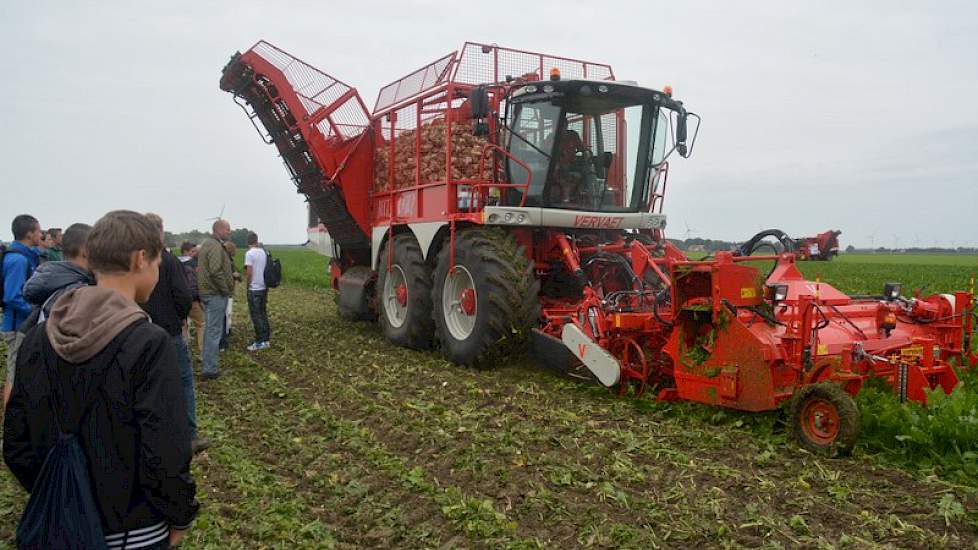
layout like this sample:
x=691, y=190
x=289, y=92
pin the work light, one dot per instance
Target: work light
x=777, y=292
x=891, y=291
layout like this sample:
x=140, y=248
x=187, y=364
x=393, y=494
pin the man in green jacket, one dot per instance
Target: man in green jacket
x=215, y=279
x=55, y=254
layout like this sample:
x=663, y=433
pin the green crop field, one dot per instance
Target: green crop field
x=866, y=273
x=335, y=439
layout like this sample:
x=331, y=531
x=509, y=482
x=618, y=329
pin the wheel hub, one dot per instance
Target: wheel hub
x=467, y=301
x=395, y=294
x=459, y=303
x=821, y=420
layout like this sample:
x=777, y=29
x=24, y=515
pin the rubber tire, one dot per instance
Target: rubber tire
x=845, y=406
x=507, y=302
x=418, y=330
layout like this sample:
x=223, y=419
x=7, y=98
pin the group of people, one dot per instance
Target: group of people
x=97, y=349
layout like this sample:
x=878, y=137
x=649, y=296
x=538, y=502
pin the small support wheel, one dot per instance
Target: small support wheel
x=634, y=367
x=825, y=419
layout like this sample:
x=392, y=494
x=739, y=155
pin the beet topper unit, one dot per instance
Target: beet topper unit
x=497, y=198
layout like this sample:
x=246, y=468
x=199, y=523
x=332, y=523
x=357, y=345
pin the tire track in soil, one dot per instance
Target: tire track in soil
x=414, y=385
x=362, y=507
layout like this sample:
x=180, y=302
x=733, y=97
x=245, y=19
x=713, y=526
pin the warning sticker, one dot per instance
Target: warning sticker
x=748, y=292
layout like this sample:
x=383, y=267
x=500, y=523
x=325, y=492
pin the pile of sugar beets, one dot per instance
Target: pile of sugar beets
x=466, y=154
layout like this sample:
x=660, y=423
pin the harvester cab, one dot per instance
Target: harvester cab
x=590, y=146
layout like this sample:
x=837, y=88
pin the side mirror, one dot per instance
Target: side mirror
x=681, y=134
x=479, y=102
x=479, y=107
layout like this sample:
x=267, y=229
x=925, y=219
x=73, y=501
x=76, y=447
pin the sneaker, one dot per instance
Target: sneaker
x=199, y=444
x=265, y=345
x=254, y=346
x=210, y=375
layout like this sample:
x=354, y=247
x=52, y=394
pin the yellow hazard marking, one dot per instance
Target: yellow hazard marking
x=912, y=351
x=748, y=292
x=822, y=349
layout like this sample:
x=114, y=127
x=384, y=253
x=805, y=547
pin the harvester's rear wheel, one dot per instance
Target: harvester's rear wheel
x=825, y=419
x=485, y=307
x=404, y=293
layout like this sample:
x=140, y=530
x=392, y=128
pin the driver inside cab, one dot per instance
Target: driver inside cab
x=570, y=173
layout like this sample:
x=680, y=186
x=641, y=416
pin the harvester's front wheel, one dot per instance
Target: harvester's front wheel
x=825, y=419
x=486, y=303
x=404, y=288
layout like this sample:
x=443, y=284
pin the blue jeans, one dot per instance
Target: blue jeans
x=215, y=307
x=258, y=307
x=187, y=379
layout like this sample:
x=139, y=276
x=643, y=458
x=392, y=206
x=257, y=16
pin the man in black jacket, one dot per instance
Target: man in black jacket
x=135, y=437
x=168, y=307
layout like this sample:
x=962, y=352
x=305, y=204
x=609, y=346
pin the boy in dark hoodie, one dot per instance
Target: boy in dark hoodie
x=135, y=436
x=52, y=279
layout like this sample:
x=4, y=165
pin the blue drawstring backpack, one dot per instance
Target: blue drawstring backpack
x=61, y=512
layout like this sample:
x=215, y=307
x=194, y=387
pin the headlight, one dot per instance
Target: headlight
x=776, y=293
x=891, y=291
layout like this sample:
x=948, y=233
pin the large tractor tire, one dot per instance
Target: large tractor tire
x=825, y=419
x=404, y=294
x=486, y=306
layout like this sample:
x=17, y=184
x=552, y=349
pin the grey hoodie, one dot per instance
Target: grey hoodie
x=84, y=320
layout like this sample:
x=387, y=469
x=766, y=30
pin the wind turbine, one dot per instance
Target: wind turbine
x=688, y=231
x=872, y=240
x=219, y=216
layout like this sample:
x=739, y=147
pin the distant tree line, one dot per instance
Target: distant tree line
x=238, y=236
x=913, y=250
x=706, y=245
x=714, y=245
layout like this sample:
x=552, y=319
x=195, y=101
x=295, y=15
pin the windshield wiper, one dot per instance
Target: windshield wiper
x=515, y=133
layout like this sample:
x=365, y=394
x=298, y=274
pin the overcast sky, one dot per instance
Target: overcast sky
x=859, y=116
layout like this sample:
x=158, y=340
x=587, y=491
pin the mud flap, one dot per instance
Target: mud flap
x=602, y=364
x=354, y=293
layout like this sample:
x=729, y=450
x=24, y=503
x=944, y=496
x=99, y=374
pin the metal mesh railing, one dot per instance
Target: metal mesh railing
x=482, y=63
x=317, y=90
x=416, y=83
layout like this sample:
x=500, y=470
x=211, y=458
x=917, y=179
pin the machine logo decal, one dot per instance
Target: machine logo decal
x=598, y=222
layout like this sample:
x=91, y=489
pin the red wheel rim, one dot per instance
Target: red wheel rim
x=401, y=293
x=820, y=420
x=467, y=301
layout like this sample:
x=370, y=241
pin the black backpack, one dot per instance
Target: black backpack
x=273, y=271
x=61, y=511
